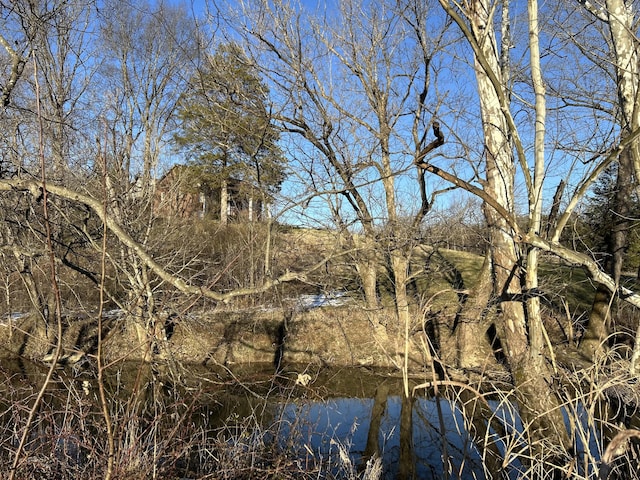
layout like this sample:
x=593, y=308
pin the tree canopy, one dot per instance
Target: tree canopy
x=225, y=124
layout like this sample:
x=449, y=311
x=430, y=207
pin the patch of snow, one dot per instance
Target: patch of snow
x=329, y=299
x=11, y=317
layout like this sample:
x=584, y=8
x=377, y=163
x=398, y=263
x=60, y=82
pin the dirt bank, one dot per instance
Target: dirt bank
x=336, y=336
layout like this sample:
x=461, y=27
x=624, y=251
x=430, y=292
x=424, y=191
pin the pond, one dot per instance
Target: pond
x=321, y=429
x=330, y=425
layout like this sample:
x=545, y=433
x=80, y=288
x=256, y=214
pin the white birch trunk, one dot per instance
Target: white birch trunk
x=625, y=44
x=536, y=327
x=224, y=202
x=622, y=21
x=539, y=408
x=500, y=177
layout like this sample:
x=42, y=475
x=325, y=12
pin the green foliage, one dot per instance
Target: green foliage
x=225, y=124
x=600, y=216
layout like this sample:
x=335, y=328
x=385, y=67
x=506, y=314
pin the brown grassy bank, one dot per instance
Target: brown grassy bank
x=332, y=336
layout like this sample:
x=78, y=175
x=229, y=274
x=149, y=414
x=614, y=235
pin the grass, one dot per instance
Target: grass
x=161, y=433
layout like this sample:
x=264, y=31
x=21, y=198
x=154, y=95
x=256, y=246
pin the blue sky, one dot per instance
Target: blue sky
x=454, y=83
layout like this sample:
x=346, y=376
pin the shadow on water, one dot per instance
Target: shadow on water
x=320, y=428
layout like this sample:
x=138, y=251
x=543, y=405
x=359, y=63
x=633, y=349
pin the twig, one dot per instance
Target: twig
x=99, y=353
x=54, y=283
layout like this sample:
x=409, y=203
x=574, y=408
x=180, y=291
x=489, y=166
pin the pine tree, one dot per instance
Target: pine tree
x=600, y=217
x=227, y=130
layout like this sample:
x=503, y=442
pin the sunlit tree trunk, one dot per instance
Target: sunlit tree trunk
x=539, y=407
x=620, y=17
x=500, y=175
x=472, y=349
x=623, y=24
x=534, y=316
x=367, y=267
x=224, y=202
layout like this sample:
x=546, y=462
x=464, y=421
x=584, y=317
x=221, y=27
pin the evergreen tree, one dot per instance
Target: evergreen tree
x=227, y=130
x=600, y=217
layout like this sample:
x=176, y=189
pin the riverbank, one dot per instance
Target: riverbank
x=344, y=335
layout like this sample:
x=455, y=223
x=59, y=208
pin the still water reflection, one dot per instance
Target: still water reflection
x=356, y=411
x=317, y=427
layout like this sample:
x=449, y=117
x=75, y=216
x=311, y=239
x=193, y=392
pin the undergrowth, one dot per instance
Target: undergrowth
x=167, y=431
x=161, y=432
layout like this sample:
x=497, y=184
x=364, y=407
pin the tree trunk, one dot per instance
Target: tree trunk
x=621, y=18
x=598, y=326
x=472, y=347
x=622, y=24
x=224, y=202
x=593, y=342
x=367, y=268
x=400, y=268
x=539, y=407
x=369, y=278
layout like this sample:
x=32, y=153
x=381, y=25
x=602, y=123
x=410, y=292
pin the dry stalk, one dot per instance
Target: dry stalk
x=99, y=353
x=617, y=447
x=54, y=280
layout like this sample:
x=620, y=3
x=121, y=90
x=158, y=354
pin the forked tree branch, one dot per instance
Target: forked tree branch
x=419, y=160
x=17, y=67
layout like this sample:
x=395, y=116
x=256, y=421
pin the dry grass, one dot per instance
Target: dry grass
x=165, y=431
x=160, y=434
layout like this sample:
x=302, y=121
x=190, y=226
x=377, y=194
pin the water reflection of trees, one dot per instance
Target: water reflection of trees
x=460, y=433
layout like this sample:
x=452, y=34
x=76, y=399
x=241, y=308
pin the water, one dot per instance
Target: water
x=322, y=427
x=340, y=420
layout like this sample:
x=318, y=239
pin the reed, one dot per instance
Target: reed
x=158, y=434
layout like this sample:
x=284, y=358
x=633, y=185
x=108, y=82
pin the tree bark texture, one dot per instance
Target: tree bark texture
x=539, y=407
x=473, y=348
x=621, y=19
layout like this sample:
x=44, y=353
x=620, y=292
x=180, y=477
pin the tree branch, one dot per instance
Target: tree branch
x=598, y=12
x=497, y=86
x=437, y=142
x=588, y=263
x=17, y=67
x=457, y=181
x=8, y=185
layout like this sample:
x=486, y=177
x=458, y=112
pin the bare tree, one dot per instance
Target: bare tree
x=65, y=69
x=620, y=19
x=520, y=325
x=352, y=87
x=513, y=244
x=150, y=52
x=38, y=61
